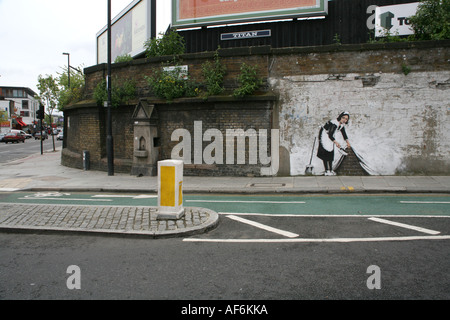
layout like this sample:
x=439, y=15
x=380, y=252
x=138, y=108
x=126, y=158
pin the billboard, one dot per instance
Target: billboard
x=130, y=29
x=190, y=13
x=394, y=20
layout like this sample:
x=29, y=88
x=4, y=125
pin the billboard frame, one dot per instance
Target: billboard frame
x=150, y=28
x=320, y=9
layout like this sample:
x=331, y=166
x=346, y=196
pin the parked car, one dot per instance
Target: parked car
x=37, y=135
x=60, y=136
x=14, y=137
x=27, y=135
x=1, y=136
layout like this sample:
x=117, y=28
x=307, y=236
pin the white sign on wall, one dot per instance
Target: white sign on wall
x=394, y=20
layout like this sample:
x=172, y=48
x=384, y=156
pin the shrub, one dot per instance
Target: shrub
x=170, y=43
x=248, y=80
x=171, y=84
x=119, y=94
x=214, y=72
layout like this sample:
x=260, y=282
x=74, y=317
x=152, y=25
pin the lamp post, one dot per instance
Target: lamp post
x=68, y=82
x=68, y=67
x=109, y=137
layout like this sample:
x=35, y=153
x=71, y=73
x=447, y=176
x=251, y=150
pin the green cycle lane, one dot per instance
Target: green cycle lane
x=352, y=205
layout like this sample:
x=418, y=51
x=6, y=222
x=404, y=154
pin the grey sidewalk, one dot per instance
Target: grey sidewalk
x=45, y=173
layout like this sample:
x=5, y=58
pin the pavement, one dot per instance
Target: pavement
x=44, y=173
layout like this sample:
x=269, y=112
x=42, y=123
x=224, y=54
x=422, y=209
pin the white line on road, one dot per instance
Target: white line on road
x=337, y=215
x=406, y=226
x=66, y=199
x=264, y=227
x=336, y=240
x=426, y=202
x=246, y=201
x=142, y=196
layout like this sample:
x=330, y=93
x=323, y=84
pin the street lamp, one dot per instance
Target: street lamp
x=68, y=66
x=109, y=137
x=68, y=82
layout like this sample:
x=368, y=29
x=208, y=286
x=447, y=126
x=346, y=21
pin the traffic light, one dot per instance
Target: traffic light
x=40, y=113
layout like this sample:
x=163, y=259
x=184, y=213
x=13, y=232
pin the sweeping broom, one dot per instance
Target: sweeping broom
x=310, y=167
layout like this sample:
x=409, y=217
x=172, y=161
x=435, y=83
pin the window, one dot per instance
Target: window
x=25, y=104
x=17, y=93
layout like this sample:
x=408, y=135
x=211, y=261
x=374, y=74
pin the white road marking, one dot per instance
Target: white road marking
x=142, y=196
x=426, y=202
x=66, y=199
x=264, y=227
x=336, y=240
x=337, y=215
x=247, y=201
x=406, y=226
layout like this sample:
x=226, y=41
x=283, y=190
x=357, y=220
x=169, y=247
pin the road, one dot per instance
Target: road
x=13, y=151
x=298, y=257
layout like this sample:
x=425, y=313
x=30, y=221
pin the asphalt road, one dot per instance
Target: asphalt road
x=35, y=267
x=14, y=151
x=246, y=261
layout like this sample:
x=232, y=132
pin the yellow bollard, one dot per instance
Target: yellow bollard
x=170, y=189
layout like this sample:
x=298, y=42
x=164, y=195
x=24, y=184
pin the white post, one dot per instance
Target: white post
x=170, y=189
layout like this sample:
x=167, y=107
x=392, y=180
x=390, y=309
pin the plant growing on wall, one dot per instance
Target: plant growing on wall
x=120, y=94
x=171, y=83
x=123, y=58
x=214, y=73
x=248, y=80
x=171, y=43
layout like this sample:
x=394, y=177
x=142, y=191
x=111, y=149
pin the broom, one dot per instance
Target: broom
x=310, y=167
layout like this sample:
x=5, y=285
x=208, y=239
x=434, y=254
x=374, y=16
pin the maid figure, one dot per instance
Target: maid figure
x=327, y=141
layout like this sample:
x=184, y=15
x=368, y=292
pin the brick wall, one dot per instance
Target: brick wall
x=86, y=131
x=214, y=115
x=399, y=120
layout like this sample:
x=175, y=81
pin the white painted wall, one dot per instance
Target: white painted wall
x=399, y=119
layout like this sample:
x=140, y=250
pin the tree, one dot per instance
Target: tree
x=75, y=92
x=48, y=93
x=432, y=20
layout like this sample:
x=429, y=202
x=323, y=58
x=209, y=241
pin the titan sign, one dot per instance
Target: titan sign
x=394, y=20
x=129, y=31
x=189, y=13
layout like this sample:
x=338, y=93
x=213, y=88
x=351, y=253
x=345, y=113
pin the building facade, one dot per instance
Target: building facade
x=18, y=108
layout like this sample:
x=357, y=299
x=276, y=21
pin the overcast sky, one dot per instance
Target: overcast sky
x=35, y=33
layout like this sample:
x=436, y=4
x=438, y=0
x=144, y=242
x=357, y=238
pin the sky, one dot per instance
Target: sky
x=35, y=33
